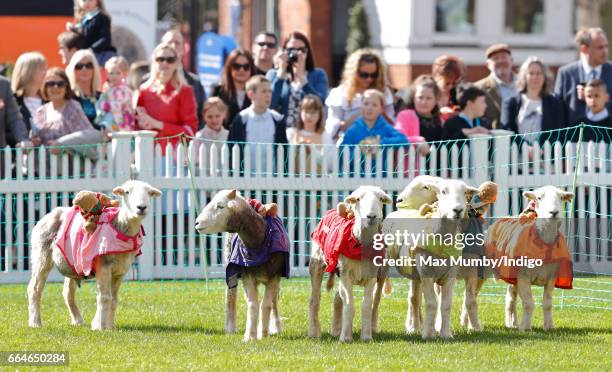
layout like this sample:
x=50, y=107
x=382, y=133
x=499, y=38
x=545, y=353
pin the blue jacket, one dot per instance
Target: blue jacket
x=360, y=131
x=317, y=85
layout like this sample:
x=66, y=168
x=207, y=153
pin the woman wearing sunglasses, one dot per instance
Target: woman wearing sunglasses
x=61, y=121
x=84, y=74
x=295, y=77
x=239, y=67
x=363, y=70
x=166, y=103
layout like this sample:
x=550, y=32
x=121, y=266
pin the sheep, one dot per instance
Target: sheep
x=536, y=235
x=109, y=269
x=451, y=196
x=418, y=192
x=258, y=253
x=358, y=233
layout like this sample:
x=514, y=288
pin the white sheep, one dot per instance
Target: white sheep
x=418, y=192
x=451, y=196
x=229, y=212
x=367, y=204
x=109, y=269
x=513, y=237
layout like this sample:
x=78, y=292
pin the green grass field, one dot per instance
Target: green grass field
x=178, y=325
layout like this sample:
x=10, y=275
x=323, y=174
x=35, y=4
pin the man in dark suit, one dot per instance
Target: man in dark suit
x=593, y=64
x=175, y=38
x=500, y=84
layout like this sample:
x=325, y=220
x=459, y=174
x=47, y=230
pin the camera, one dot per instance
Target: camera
x=293, y=56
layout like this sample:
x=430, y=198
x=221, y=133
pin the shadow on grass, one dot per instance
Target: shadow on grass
x=490, y=335
x=159, y=328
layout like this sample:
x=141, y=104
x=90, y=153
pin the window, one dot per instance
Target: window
x=455, y=16
x=524, y=16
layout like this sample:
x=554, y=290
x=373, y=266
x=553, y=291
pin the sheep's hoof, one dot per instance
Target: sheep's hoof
x=248, y=338
x=366, y=338
x=549, y=327
x=477, y=328
x=35, y=324
x=314, y=332
x=346, y=338
x=524, y=328
x=334, y=332
x=446, y=335
x=78, y=322
x=427, y=335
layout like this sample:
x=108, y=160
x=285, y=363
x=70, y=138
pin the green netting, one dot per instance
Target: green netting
x=306, y=181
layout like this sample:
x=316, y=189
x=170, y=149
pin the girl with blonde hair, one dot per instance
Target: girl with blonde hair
x=166, y=103
x=363, y=70
x=26, y=83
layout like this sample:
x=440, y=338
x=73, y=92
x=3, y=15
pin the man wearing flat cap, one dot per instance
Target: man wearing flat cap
x=499, y=85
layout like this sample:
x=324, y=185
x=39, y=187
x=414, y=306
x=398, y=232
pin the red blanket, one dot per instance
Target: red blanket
x=334, y=236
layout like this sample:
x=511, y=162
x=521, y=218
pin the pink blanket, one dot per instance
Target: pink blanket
x=80, y=249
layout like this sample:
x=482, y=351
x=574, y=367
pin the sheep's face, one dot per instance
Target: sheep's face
x=452, y=196
x=548, y=201
x=215, y=215
x=367, y=202
x=418, y=192
x=136, y=197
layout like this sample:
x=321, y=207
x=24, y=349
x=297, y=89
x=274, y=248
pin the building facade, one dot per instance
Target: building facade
x=410, y=34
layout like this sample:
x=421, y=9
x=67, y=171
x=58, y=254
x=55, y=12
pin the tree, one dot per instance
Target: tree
x=358, y=30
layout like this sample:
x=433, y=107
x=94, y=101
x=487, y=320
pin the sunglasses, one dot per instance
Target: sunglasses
x=365, y=75
x=301, y=50
x=169, y=60
x=238, y=66
x=80, y=66
x=58, y=84
x=268, y=45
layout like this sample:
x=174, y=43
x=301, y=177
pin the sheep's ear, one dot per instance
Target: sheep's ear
x=232, y=194
x=567, y=196
x=153, y=192
x=431, y=186
x=386, y=199
x=530, y=195
x=119, y=191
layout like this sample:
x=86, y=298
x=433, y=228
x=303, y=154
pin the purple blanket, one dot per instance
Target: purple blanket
x=276, y=240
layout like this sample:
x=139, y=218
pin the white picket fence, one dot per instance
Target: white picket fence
x=173, y=249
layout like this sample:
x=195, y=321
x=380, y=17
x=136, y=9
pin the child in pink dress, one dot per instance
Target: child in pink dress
x=115, y=111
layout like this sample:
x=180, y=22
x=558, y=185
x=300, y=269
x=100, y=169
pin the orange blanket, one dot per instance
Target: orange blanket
x=517, y=237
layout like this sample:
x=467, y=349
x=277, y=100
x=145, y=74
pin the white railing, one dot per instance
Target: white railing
x=189, y=178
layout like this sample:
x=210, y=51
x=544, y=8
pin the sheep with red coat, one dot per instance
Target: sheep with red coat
x=344, y=245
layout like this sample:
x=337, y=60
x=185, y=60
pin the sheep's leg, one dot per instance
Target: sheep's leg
x=336, y=323
x=69, y=292
x=265, y=310
x=348, y=308
x=511, y=315
x=276, y=324
x=41, y=266
x=316, y=278
x=414, y=318
x=446, y=302
x=231, y=297
x=250, y=292
x=116, y=284
x=366, y=310
x=470, y=302
x=104, y=298
x=523, y=285
x=547, y=304
x=438, y=324
x=380, y=282
x=431, y=308
x=464, y=320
